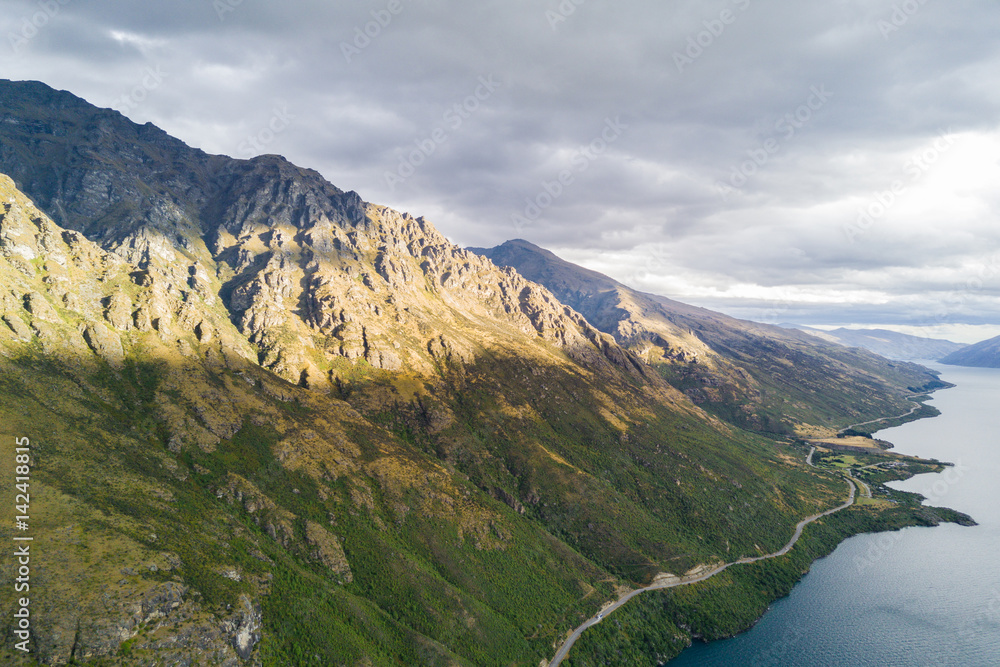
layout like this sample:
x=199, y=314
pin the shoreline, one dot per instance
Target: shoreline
x=685, y=581
x=912, y=514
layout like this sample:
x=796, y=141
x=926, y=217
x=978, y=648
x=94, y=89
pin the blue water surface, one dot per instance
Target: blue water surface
x=921, y=596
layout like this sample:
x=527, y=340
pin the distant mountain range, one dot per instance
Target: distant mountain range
x=889, y=344
x=985, y=354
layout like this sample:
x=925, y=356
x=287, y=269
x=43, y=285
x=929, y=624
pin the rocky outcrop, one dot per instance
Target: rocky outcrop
x=320, y=545
x=240, y=490
x=17, y=325
x=244, y=627
x=104, y=343
x=118, y=311
x=141, y=617
x=326, y=550
x=39, y=307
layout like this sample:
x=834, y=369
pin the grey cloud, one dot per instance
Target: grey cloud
x=358, y=113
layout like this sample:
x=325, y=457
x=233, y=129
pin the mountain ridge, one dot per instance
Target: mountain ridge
x=263, y=197
x=719, y=360
x=887, y=343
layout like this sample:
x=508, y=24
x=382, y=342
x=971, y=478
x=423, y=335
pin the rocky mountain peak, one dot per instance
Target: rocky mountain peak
x=306, y=272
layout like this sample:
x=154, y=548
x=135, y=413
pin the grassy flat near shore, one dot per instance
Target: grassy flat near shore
x=843, y=461
x=852, y=441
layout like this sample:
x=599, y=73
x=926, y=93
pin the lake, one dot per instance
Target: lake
x=920, y=596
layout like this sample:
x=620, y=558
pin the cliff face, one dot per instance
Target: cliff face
x=273, y=423
x=77, y=306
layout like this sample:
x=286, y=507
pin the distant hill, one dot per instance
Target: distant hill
x=985, y=354
x=889, y=344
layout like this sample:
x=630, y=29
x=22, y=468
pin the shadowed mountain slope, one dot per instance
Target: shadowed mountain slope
x=756, y=375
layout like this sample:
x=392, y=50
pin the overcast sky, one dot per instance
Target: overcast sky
x=814, y=162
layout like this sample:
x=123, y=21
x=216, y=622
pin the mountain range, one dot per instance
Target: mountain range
x=272, y=423
x=889, y=344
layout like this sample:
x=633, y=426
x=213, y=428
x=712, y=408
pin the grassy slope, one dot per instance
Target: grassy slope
x=490, y=584
x=113, y=472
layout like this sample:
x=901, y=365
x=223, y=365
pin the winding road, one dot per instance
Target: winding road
x=916, y=407
x=684, y=581
x=862, y=486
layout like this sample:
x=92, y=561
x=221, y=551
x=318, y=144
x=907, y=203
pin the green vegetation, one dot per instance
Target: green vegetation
x=841, y=461
x=924, y=411
x=491, y=584
x=497, y=585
